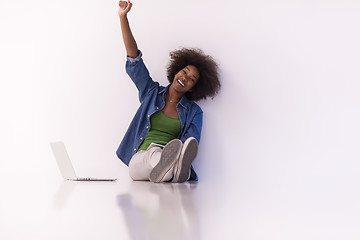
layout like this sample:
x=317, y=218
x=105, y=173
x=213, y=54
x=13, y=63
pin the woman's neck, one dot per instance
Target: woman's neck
x=173, y=96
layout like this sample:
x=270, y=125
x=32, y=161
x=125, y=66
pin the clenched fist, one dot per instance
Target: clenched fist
x=124, y=7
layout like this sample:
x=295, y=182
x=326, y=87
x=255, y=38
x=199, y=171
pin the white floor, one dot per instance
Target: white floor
x=55, y=209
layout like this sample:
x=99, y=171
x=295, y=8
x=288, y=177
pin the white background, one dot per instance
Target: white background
x=287, y=116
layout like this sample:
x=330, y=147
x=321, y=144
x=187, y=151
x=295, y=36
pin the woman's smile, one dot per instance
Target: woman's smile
x=181, y=83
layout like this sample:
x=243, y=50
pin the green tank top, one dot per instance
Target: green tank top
x=163, y=129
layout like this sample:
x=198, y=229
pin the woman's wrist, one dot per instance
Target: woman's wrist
x=123, y=16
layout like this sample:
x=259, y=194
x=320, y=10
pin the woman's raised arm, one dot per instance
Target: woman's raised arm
x=129, y=40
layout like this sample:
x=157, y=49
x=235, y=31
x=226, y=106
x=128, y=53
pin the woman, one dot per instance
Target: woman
x=162, y=140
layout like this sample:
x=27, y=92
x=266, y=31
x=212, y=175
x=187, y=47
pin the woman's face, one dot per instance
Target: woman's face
x=186, y=79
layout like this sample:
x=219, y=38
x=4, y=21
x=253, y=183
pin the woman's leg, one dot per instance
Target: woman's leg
x=143, y=163
x=165, y=166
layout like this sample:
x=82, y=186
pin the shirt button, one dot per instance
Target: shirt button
x=147, y=126
x=141, y=138
x=148, y=115
x=157, y=107
x=134, y=149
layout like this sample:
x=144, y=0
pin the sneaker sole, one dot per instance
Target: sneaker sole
x=169, y=156
x=190, y=152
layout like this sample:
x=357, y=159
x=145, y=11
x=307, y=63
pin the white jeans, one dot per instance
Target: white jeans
x=143, y=162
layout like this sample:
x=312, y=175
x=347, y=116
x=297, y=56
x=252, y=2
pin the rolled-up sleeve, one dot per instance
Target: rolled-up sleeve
x=139, y=74
x=134, y=60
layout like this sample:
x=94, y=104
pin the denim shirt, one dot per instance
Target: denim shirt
x=152, y=99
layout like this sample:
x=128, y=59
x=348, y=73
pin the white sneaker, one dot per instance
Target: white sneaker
x=187, y=156
x=169, y=156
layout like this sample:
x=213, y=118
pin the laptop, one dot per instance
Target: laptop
x=65, y=165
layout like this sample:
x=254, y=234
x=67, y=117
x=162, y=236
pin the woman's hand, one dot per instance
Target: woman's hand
x=124, y=7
